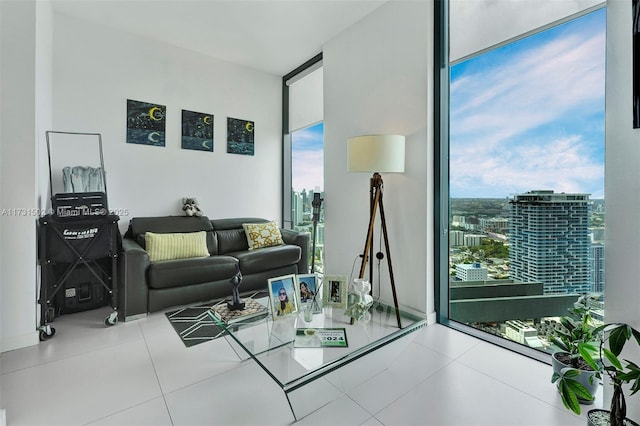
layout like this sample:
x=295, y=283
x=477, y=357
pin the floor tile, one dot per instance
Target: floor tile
x=458, y=395
x=523, y=373
x=450, y=343
x=414, y=365
x=372, y=421
x=76, y=334
x=342, y=411
x=80, y=389
x=178, y=366
x=371, y=364
x=222, y=400
x=150, y=413
x=140, y=373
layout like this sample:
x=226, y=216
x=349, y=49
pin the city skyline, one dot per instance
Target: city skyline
x=531, y=112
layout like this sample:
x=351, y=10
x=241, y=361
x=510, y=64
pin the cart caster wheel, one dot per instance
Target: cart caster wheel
x=46, y=336
x=111, y=319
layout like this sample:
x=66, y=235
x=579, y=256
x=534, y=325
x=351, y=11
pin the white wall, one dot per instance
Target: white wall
x=24, y=27
x=75, y=76
x=97, y=69
x=378, y=79
x=622, y=182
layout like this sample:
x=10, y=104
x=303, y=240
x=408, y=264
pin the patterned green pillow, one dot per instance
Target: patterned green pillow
x=176, y=246
x=263, y=234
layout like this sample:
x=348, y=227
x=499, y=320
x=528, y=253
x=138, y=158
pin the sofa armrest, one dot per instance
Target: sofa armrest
x=300, y=239
x=132, y=264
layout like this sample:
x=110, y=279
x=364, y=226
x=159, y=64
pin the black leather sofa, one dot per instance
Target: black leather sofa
x=152, y=286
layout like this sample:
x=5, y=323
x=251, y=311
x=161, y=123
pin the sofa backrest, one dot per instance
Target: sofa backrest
x=231, y=235
x=172, y=224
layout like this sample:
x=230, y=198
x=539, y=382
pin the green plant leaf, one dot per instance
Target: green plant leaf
x=569, y=373
x=559, y=343
x=613, y=359
x=569, y=398
x=618, y=336
x=585, y=352
x=636, y=334
x=579, y=390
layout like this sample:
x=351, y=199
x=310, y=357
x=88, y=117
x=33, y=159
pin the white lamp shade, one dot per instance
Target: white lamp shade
x=376, y=153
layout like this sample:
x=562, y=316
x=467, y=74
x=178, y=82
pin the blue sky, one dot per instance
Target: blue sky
x=307, y=158
x=530, y=115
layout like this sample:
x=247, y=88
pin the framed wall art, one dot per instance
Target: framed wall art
x=334, y=291
x=197, y=131
x=146, y=123
x=240, y=136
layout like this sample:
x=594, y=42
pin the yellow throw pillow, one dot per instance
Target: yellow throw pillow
x=262, y=234
x=176, y=246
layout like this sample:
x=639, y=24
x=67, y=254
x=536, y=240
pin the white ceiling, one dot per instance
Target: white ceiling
x=268, y=35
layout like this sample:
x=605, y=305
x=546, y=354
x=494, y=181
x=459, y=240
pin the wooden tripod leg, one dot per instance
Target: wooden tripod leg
x=368, y=244
x=369, y=241
x=386, y=246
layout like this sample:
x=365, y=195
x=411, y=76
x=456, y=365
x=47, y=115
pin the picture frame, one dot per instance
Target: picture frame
x=146, y=123
x=281, y=308
x=240, y=136
x=197, y=131
x=308, y=286
x=334, y=291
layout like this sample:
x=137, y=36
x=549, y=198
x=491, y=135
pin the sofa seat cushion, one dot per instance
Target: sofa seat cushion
x=263, y=259
x=185, y=272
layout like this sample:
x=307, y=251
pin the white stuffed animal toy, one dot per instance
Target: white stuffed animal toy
x=190, y=207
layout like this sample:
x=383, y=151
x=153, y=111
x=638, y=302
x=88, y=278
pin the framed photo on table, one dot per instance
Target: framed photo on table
x=283, y=297
x=334, y=291
x=308, y=286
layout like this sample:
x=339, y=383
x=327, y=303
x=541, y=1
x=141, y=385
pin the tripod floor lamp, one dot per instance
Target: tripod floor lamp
x=377, y=153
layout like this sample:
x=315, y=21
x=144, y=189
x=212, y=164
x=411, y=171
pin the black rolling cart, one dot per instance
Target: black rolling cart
x=78, y=243
x=78, y=259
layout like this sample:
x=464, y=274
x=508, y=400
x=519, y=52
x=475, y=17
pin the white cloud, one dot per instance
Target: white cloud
x=307, y=170
x=502, y=138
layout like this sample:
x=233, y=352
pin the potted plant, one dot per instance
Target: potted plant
x=575, y=379
x=613, y=338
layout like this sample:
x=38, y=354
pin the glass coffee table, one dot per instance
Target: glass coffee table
x=311, y=377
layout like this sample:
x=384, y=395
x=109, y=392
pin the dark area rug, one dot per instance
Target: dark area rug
x=194, y=325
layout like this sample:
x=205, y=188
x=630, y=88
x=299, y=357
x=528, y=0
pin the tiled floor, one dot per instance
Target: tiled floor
x=140, y=373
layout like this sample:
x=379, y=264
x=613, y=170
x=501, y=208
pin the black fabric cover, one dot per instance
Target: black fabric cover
x=64, y=240
x=186, y=272
x=267, y=258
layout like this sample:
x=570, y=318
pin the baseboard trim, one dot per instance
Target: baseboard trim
x=18, y=342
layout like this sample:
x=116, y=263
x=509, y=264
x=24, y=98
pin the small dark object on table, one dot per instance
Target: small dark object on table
x=236, y=304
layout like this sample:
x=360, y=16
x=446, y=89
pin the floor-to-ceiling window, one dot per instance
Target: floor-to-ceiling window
x=307, y=187
x=524, y=211
x=303, y=156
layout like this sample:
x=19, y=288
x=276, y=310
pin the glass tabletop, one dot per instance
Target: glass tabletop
x=271, y=342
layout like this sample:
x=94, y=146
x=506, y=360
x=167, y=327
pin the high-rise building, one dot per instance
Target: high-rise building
x=297, y=207
x=596, y=259
x=550, y=240
x=456, y=238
